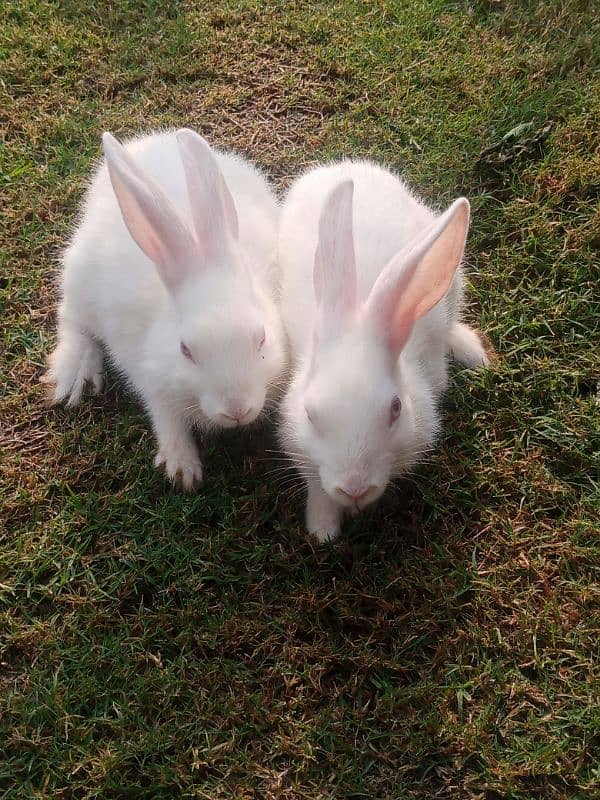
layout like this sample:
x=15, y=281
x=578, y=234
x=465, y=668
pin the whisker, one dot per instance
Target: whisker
x=289, y=475
x=293, y=462
x=281, y=473
x=290, y=452
x=295, y=494
x=291, y=483
x=291, y=492
x=288, y=464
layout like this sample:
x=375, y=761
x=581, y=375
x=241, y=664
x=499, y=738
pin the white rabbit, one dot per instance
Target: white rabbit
x=173, y=269
x=371, y=297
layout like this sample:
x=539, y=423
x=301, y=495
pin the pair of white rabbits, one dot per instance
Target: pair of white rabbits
x=198, y=285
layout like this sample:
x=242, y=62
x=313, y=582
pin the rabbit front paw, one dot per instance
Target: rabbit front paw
x=323, y=515
x=181, y=464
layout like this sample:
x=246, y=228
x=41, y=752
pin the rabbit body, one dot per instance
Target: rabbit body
x=340, y=251
x=212, y=299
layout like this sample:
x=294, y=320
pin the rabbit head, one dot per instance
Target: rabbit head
x=221, y=336
x=356, y=412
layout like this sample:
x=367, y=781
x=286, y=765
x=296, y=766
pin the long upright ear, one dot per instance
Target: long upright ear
x=334, y=273
x=417, y=278
x=213, y=209
x=149, y=215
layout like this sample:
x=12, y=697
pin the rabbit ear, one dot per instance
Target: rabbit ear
x=417, y=278
x=149, y=215
x=213, y=209
x=334, y=274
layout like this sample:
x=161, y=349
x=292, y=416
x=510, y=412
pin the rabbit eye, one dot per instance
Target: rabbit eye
x=314, y=420
x=185, y=351
x=395, y=409
x=261, y=339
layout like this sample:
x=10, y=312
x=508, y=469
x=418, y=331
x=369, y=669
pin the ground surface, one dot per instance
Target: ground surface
x=157, y=646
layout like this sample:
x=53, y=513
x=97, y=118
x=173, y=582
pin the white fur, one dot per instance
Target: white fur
x=353, y=334
x=210, y=281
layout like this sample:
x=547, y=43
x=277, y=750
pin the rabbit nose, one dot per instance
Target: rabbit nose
x=353, y=494
x=237, y=411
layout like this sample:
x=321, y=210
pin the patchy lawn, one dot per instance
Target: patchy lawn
x=154, y=645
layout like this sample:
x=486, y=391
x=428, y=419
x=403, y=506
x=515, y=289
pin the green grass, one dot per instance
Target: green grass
x=154, y=645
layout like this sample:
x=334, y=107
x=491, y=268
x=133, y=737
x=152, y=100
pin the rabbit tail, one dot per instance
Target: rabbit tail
x=466, y=346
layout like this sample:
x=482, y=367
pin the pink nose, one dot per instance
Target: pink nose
x=355, y=496
x=236, y=411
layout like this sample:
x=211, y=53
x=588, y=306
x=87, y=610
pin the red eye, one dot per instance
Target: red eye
x=314, y=420
x=395, y=409
x=185, y=351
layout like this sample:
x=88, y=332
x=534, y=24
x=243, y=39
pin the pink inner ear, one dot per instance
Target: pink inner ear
x=213, y=209
x=229, y=208
x=399, y=332
x=416, y=279
x=150, y=217
x=334, y=273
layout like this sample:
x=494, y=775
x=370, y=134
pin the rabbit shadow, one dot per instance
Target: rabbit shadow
x=387, y=574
